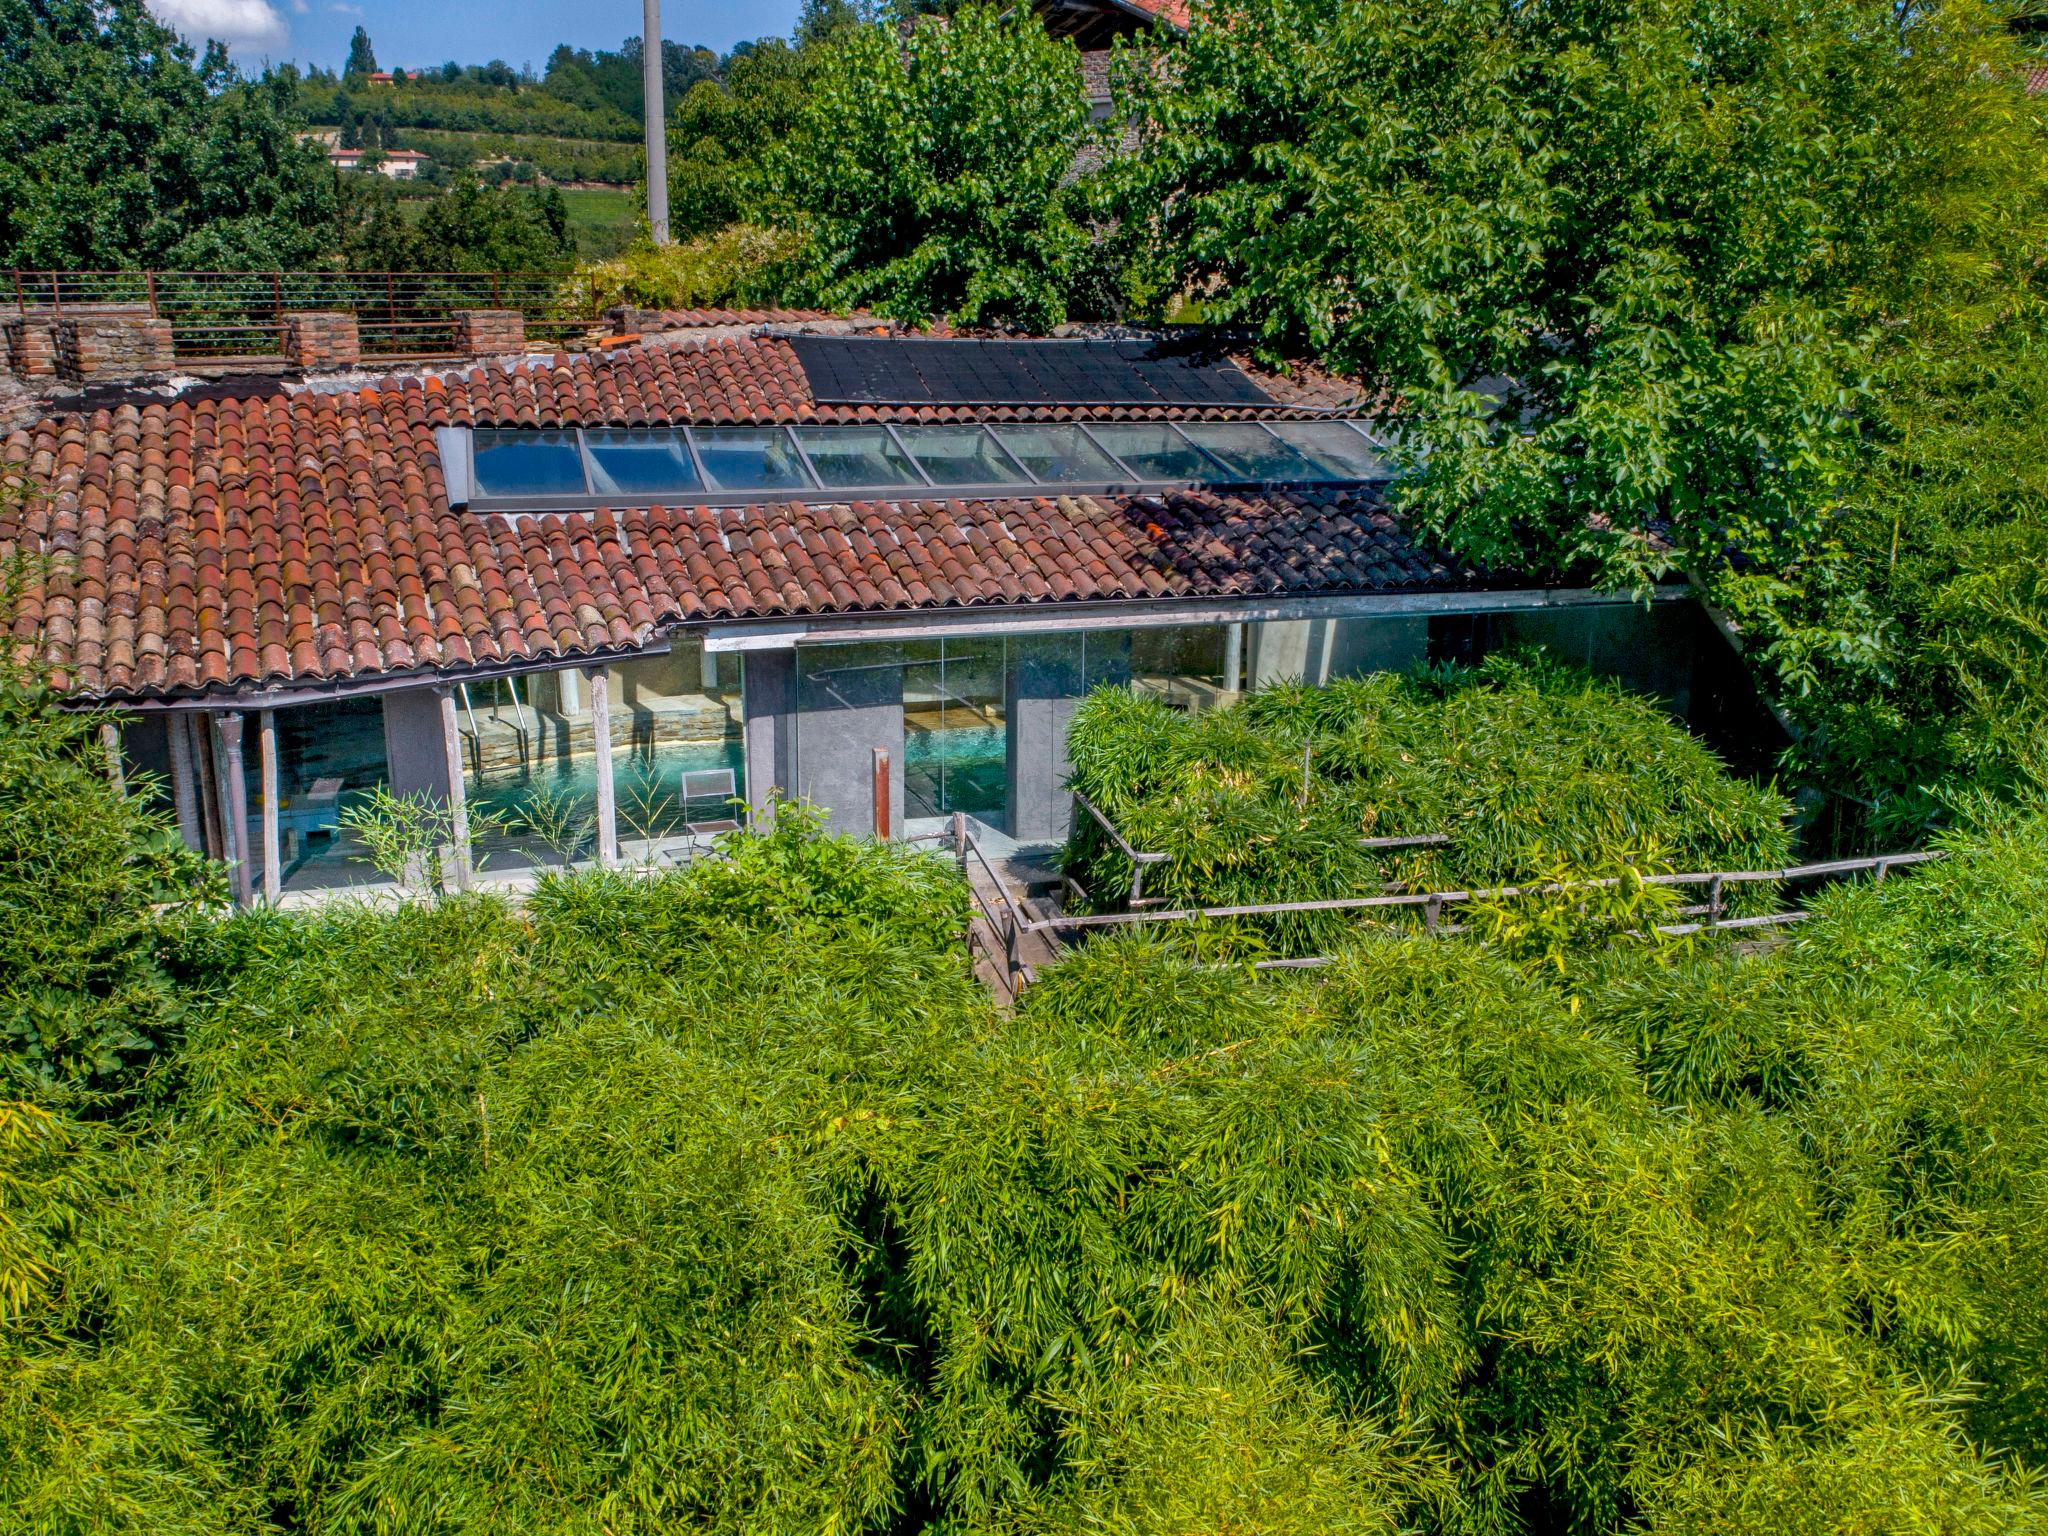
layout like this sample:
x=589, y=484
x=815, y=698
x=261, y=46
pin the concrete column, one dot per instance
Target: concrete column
x=415, y=755
x=273, y=862
x=607, y=792
x=843, y=716
x=456, y=790
x=768, y=708
x=1233, y=658
x=184, y=791
x=1042, y=686
x=235, y=784
x=110, y=743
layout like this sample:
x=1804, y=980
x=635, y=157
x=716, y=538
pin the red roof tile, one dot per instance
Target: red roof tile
x=207, y=543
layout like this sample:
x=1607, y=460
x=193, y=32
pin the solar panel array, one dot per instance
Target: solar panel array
x=856, y=370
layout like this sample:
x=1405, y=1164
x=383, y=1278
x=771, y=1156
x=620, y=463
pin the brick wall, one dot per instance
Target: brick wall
x=31, y=347
x=482, y=332
x=319, y=339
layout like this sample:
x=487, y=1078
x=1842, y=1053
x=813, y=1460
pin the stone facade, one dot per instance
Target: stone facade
x=316, y=339
x=483, y=332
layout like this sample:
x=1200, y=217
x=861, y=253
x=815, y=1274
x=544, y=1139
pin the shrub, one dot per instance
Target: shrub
x=1535, y=772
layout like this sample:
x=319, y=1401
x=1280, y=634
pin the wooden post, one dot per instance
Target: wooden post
x=458, y=795
x=235, y=786
x=1714, y=902
x=607, y=795
x=190, y=826
x=273, y=863
x=110, y=742
x=884, y=812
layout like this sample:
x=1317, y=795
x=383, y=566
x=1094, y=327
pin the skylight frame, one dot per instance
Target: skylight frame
x=713, y=494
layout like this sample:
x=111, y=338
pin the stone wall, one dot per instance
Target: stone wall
x=112, y=343
x=484, y=332
x=316, y=339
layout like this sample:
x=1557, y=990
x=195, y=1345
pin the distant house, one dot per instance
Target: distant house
x=377, y=77
x=398, y=164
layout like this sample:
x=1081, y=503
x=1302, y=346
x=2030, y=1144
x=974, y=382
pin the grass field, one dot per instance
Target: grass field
x=604, y=219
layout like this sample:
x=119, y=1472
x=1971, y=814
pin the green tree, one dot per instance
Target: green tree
x=362, y=58
x=125, y=149
x=933, y=176
x=1639, y=271
x=721, y=131
x=483, y=229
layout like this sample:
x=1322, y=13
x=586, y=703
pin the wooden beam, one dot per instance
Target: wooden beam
x=458, y=794
x=191, y=826
x=235, y=792
x=273, y=863
x=607, y=793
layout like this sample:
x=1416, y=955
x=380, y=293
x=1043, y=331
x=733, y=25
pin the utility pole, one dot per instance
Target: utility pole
x=657, y=122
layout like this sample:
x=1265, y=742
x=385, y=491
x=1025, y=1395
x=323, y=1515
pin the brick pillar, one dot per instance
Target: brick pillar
x=482, y=332
x=31, y=347
x=628, y=319
x=112, y=344
x=317, y=339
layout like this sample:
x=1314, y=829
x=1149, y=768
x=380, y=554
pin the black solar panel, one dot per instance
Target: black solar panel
x=854, y=370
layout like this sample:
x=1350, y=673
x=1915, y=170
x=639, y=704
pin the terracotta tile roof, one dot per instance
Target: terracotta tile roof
x=218, y=542
x=2037, y=80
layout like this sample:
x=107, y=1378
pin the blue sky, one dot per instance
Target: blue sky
x=411, y=34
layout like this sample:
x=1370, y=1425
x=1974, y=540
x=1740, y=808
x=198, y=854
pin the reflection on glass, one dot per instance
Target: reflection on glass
x=527, y=464
x=529, y=754
x=1337, y=450
x=960, y=456
x=750, y=458
x=1250, y=452
x=856, y=456
x=1059, y=455
x=1157, y=452
x=632, y=462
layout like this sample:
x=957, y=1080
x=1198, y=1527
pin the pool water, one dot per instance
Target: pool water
x=965, y=768
x=649, y=789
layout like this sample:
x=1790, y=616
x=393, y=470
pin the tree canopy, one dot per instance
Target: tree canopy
x=1656, y=285
x=120, y=147
x=933, y=176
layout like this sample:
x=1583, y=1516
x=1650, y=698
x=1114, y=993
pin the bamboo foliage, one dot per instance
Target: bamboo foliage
x=1534, y=771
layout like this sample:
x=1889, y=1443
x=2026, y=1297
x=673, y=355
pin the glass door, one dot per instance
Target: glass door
x=954, y=740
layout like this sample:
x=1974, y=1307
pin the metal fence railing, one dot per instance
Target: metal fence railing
x=226, y=317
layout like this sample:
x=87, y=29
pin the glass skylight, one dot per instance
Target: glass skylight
x=750, y=458
x=1250, y=452
x=857, y=456
x=961, y=456
x=559, y=469
x=1341, y=452
x=527, y=464
x=641, y=463
x=1157, y=452
x=1060, y=455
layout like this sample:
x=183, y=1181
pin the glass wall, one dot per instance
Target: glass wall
x=330, y=756
x=530, y=759
x=971, y=722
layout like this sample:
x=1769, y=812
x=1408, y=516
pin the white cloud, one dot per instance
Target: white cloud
x=238, y=23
